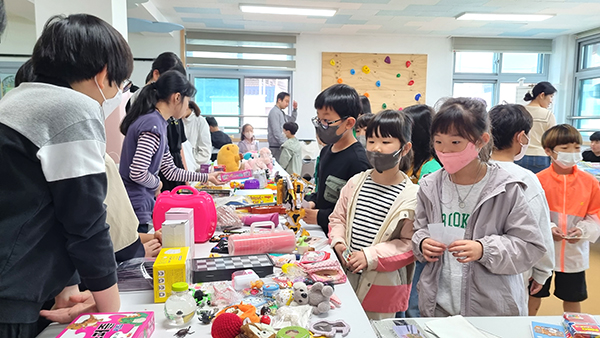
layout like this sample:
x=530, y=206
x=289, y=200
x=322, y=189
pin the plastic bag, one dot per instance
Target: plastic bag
x=227, y=219
x=292, y=316
x=135, y=274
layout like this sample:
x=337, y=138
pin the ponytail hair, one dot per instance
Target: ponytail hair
x=169, y=83
x=543, y=87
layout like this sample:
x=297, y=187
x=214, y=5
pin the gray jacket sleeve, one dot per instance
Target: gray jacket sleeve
x=521, y=245
x=420, y=226
x=276, y=120
x=293, y=117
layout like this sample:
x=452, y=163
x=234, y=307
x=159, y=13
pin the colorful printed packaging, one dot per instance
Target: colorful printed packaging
x=580, y=325
x=111, y=325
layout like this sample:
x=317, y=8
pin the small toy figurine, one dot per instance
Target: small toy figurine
x=265, y=319
x=183, y=332
x=206, y=316
x=264, y=312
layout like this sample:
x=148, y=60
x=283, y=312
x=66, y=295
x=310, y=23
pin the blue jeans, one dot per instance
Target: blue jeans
x=534, y=163
x=413, y=301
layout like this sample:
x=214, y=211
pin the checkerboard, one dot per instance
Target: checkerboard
x=221, y=268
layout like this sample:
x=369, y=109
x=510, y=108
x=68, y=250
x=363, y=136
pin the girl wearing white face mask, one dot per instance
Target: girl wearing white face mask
x=371, y=225
x=145, y=150
x=248, y=143
x=574, y=200
x=473, y=225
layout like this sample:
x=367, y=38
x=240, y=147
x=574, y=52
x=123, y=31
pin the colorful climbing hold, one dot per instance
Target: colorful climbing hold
x=417, y=97
x=398, y=75
x=366, y=95
x=378, y=83
x=411, y=82
x=408, y=63
x=340, y=81
x=384, y=106
x=332, y=62
x=387, y=60
x=366, y=69
x=352, y=71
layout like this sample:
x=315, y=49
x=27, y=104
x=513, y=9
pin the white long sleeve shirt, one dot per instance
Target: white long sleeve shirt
x=198, y=134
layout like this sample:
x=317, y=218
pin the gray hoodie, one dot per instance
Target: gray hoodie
x=512, y=243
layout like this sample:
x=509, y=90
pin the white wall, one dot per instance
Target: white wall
x=561, y=74
x=307, y=77
x=149, y=47
x=19, y=37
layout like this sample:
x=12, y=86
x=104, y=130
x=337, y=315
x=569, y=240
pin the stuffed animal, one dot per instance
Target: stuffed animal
x=229, y=156
x=254, y=163
x=252, y=330
x=318, y=296
x=266, y=157
x=226, y=325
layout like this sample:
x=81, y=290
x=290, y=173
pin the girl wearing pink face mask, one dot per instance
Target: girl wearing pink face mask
x=472, y=223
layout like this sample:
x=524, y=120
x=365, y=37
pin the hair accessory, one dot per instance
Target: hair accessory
x=330, y=328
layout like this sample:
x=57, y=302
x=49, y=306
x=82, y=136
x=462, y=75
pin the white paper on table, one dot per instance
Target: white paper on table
x=452, y=327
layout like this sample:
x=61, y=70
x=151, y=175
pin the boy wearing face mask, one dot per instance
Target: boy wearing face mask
x=510, y=125
x=574, y=200
x=342, y=157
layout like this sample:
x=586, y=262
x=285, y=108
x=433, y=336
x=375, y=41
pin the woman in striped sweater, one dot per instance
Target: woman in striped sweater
x=145, y=150
x=372, y=223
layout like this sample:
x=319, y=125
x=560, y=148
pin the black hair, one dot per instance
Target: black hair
x=25, y=73
x=343, y=99
x=543, y=87
x=292, y=127
x=595, y=136
x=281, y=96
x=421, y=116
x=242, y=137
x=506, y=121
x=194, y=107
x=467, y=117
x=165, y=62
x=392, y=123
x=365, y=104
x=169, y=83
x=77, y=47
x=212, y=122
x=364, y=120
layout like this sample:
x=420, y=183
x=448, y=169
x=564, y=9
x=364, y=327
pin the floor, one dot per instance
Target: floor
x=553, y=306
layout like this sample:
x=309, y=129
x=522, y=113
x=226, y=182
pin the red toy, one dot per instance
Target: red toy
x=265, y=320
x=226, y=325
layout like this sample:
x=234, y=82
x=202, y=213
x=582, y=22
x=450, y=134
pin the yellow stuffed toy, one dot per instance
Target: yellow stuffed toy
x=229, y=156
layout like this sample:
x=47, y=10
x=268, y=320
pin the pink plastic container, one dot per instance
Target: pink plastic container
x=262, y=242
x=205, y=213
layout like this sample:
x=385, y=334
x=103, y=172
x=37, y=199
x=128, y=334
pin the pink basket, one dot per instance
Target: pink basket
x=205, y=213
x=262, y=242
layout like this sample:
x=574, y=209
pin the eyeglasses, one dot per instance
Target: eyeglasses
x=127, y=85
x=324, y=123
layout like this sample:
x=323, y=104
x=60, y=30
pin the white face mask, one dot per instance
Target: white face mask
x=567, y=160
x=524, y=147
x=109, y=105
x=249, y=135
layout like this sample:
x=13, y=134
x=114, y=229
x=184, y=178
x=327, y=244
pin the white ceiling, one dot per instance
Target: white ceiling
x=368, y=17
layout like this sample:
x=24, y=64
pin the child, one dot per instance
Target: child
x=423, y=162
x=423, y=159
x=510, y=125
x=360, y=130
x=495, y=236
x=53, y=179
x=574, y=200
x=217, y=137
x=145, y=148
x=373, y=219
x=248, y=142
x=343, y=157
x=593, y=154
x=291, y=150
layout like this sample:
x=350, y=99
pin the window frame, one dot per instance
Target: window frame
x=582, y=74
x=497, y=77
x=241, y=75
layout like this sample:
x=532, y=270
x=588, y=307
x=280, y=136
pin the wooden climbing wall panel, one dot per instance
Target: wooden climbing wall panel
x=391, y=81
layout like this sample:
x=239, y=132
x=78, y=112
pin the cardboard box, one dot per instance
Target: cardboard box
x=105, y=325
x=171, y=266
x=178, y=234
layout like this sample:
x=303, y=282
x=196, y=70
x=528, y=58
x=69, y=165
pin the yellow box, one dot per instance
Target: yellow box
x=171, y=266
x=260, y=199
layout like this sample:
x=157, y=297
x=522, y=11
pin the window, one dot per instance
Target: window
x=494, y=76
x=586, y=113
x=235, y=98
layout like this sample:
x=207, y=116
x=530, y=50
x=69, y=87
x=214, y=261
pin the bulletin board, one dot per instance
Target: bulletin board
x=390, y=81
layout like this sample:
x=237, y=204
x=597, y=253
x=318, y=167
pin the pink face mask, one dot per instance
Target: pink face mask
x=454, y=162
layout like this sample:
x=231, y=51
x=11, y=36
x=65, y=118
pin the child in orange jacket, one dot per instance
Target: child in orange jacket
x=574, y=200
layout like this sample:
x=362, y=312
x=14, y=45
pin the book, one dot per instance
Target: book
x=545, y=330
x=113, y=325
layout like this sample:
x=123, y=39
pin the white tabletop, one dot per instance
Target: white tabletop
x=350, y=311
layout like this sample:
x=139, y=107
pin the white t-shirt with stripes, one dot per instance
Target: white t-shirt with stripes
x=373, y=204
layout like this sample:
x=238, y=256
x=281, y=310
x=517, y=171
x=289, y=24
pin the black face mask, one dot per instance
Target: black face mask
x=329, y=136
x=382, y=162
